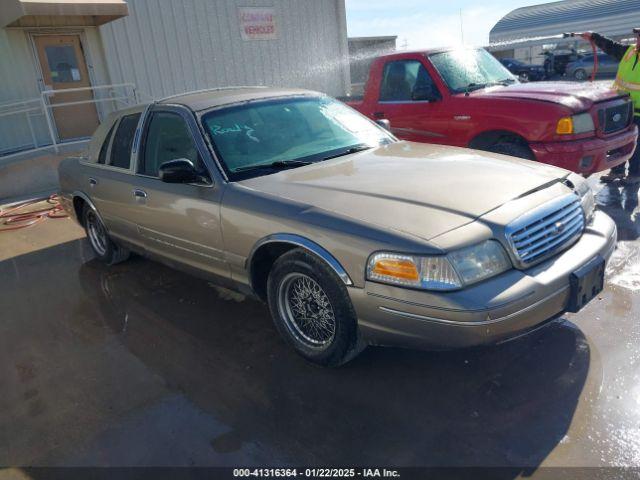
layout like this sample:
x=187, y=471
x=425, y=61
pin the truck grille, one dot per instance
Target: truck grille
x=615, y=118
x=546, y=230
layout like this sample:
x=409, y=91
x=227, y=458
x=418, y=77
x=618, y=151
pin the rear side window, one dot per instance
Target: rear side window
x=123, y=140
x=102, y=158
x=167, y=138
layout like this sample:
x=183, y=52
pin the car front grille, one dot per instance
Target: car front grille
x=546, y=230
x=613, y=119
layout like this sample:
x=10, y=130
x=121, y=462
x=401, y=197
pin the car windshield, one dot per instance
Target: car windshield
x=261, y=137
x=467, y=69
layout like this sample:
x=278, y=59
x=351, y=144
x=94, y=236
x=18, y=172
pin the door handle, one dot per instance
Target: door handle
x=378, y=114
x=139, y=193
x=92, y=181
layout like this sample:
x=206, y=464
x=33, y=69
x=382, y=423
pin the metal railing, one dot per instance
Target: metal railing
x=28, y=108
x=106, y=98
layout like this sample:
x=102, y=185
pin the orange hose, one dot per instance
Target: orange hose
x=15, y=218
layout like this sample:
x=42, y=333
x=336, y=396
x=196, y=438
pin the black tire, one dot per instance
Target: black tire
x=290, y=273
x=580, y=74
x=103, y=246
x=524, y=76
x=514, y=149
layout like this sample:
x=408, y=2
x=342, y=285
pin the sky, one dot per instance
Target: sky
x=428, y=23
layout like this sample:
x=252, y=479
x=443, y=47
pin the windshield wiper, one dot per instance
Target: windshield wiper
x=474, y=86
x=278, y=164
x=348, y=151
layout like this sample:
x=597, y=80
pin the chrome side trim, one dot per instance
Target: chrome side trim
x=307, y=245
x=458, y=323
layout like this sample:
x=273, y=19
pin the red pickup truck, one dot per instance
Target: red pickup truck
x=465, y=97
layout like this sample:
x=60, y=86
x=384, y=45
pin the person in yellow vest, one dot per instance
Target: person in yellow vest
x=627, y=80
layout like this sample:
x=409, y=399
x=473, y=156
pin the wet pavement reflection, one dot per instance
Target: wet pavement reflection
x=138, y=364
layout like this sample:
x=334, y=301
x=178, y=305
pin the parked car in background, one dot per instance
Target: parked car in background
x=582, y=69
x=351, y=236
x=466, y=98
x=524, y=71
x=555, y=62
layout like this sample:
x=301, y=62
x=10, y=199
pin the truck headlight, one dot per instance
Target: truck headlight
x=443, y=272
x=576, y=124
x=584, y=191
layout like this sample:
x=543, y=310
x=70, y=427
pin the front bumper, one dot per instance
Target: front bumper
x=590, y=155
x=489, y=312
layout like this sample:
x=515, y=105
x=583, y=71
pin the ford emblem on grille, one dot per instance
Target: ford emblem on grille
x=558, y=228
x=617, y=117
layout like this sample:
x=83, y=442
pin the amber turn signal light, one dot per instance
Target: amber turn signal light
x=398, y=268
x=565, y=126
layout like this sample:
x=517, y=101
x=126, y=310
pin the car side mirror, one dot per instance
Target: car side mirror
x=425, y=93
x=384, y=123
x=180, y=170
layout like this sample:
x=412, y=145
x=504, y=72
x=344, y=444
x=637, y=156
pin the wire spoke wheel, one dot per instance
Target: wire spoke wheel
x=96, y=233
x=306, y=309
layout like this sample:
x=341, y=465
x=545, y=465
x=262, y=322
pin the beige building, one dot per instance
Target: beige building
x=65, y=64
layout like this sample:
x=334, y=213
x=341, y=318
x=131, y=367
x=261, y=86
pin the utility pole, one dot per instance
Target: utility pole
x=461, y=30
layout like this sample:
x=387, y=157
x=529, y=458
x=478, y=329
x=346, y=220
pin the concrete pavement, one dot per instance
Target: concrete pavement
x=138, y=364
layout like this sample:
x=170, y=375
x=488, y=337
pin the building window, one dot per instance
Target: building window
x=63, y=64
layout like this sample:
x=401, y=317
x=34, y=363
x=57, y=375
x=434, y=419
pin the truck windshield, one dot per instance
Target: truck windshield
x=261, y=137
x=468, y=69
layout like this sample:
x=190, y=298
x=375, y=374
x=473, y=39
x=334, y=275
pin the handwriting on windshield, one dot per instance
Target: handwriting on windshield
x=220, y=130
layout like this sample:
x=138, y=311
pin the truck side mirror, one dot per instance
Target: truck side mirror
x=425, y=93
x=384, y=123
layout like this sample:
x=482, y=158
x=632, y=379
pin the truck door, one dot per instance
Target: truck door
x=411, y=101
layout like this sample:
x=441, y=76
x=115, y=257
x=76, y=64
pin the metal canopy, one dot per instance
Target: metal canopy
x=56, y=13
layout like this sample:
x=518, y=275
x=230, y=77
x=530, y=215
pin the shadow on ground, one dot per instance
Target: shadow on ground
x=138, y=364
x=508, y=405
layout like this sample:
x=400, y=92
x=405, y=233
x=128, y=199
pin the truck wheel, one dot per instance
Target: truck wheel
x=105, y=249
x=514, y=149
x=312, y=310
x=580, y=74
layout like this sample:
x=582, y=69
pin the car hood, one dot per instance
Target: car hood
x=418, y=189
x=576, y=96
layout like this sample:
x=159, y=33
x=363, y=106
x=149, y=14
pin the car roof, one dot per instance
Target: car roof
x=429, y=51
x=216, y=97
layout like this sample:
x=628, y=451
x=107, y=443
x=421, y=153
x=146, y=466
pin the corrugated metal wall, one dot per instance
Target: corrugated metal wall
x=609, y=17
x=167, y=47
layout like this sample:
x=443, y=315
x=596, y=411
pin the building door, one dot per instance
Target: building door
x=63, y=66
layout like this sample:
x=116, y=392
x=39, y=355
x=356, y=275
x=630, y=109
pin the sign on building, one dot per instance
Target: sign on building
x=257, y=23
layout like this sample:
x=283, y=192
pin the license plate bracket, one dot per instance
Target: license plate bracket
x=586, y=283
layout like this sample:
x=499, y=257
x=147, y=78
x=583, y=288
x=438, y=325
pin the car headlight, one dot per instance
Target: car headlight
x=576, y=124
x=584, y=191
x=442, y=272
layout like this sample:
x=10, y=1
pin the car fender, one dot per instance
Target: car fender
x=86, y=198
x=306, y=244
